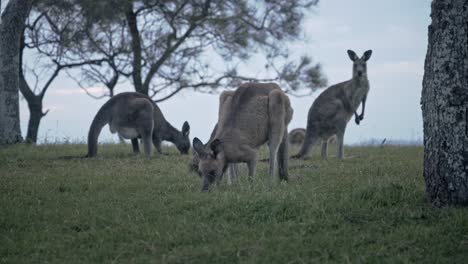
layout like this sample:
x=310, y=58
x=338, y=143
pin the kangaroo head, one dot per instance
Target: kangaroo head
x=359, y=64
x=212, y=163
x=183, y=142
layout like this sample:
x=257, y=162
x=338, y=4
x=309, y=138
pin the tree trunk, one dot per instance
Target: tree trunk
x=445, y=104
x=11, y=28
x=136, y=49
x=34, y=101
x=35, y=117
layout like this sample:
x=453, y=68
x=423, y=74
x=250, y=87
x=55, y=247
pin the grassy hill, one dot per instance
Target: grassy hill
x=121, y=208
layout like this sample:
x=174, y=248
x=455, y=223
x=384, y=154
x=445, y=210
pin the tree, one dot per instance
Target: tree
x=11, y=27
x=55, y=33
x=445, y=104
x=109, y=41
x=46, y=36
x=162, y=47
x=170, y=46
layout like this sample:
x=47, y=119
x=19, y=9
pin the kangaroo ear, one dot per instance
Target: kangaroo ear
x=352, y=55
x=185, y=129
x=216, y=146
x=367, y=55
x=199, y=148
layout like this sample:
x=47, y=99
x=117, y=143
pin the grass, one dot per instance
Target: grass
x=120, y=208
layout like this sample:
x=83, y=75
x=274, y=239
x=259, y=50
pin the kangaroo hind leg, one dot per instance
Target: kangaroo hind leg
x=277, y=127
x=283, y=157
x=324, y=152
x=145, y=124
x=340, y=142
x=135, y=146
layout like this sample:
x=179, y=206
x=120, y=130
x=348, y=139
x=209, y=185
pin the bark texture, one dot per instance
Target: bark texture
x=34, y=100
x=35, y=110
x=11, y=28
x=445, y=104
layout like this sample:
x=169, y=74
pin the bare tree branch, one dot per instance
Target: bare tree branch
x=170, y=49
x=164, y=47
x=213, y=83
x=82, y=87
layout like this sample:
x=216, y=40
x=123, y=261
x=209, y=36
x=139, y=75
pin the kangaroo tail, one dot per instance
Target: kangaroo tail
x=100, y=120
x=309, y=141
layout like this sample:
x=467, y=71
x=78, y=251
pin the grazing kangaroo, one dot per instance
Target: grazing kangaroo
x=134, y=115
x=193, y=165
x=224, y=102
x=255, y=114
x=334, y=107
x=296, y=136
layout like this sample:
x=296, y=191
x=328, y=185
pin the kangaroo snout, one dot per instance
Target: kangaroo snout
x=184, y=152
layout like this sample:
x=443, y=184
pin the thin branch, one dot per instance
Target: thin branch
x=170, y=49
x=34, y=24
x=258, y=28
x=60, y=67
x=97, y=97
x=213, y=83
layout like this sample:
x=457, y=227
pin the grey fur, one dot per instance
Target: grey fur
x=296, y=136
x=331, y=111
x=255, y=114
x=134, y=115
x=193, y=165
x=224, y=102
x=223, y=98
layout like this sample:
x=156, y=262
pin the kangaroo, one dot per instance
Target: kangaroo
x=296, y=136
x=224, y=102
x=333, y=108
x=134, y=115
x=193, y=165
x=255, y=114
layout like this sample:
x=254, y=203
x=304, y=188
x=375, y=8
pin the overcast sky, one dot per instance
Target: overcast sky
x=396, y=31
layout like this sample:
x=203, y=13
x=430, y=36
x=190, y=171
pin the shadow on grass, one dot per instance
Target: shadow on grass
x=71, y=157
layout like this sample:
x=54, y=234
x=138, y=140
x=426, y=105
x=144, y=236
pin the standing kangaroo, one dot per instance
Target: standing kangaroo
x=333, y=108
x=134, y=115
x=255, y=114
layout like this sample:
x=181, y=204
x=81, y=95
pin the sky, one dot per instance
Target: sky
x=396, y=31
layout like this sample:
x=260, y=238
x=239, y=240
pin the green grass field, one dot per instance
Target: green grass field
x=120, y=208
